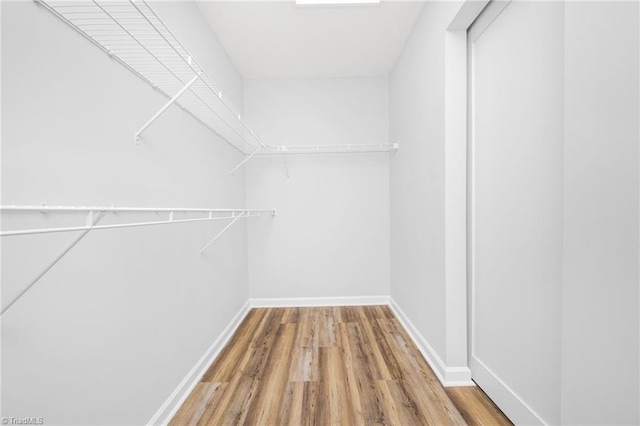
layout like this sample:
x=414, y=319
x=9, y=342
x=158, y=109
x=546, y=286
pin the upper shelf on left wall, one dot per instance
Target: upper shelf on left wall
x=134, y=35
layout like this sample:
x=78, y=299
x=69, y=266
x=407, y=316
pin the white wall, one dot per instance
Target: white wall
x=330, y=237
x=517, y=158
x=128, y=312
x=417, y=175
x=600, y=289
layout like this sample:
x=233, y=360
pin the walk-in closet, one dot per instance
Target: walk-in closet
x=328, y=212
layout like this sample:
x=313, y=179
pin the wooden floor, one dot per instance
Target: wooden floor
x=328, y=366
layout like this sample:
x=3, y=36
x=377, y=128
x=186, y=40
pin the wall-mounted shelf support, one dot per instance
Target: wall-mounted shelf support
x=219, y=234
x=165, y=107
x=246, y=159
x=92, y=220
x=286, y=165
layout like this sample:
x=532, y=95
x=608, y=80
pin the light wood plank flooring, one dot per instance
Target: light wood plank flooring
x=476, y=407
x=328, y=366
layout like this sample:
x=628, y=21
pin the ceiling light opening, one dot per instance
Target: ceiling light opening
x=335, y=2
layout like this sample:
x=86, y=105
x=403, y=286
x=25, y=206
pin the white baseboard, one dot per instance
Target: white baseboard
x=448, y=376
x=504, y=397
x=318, y=301
x=182, y=391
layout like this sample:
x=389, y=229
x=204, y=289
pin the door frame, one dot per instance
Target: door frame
x=457, y=371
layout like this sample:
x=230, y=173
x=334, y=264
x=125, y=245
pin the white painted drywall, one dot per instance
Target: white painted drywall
x=331, y=235
x=517, y=210
x=600, y=289
x=110, y=331
x=417, y=175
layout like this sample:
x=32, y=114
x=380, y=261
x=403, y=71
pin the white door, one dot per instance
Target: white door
x=516, y=130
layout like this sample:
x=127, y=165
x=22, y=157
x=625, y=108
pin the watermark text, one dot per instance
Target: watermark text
x=22, y=421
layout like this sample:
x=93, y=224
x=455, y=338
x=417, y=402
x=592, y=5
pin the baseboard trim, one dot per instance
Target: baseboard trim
x=448, y=376
x=166, y=412
x=509, y=402
x=318, y=301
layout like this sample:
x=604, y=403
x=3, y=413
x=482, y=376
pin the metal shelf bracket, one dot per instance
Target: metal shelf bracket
x=165, y=107
x=219, y=234
x=246, y=159
x=93, y=218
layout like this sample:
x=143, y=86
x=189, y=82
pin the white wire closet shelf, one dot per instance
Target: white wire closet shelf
x=96, y=213
x=205, y=214
x=328, y=149
x=133, y=34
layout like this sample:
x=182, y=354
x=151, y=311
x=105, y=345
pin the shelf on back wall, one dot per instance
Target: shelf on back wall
x=329, y=149
x=134, y=35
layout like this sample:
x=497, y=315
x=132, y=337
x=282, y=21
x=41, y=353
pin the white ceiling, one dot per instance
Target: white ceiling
x=283, y=40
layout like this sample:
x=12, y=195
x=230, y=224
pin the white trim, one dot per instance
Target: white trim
x=485, y=20
x=455, y=196
x=166, y=412
x=509, y=402
x=468, y=13
x=289, y=302
x=448, y=376
x=471, y=198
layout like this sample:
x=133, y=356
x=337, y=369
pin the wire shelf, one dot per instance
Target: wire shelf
x=329, y=149
x=202, y=214
x=134, y=35
x=95, y=215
